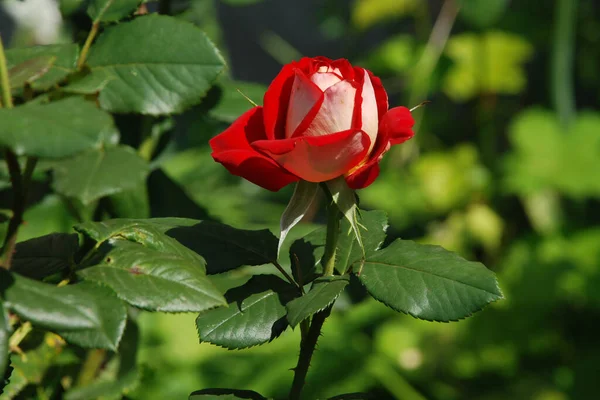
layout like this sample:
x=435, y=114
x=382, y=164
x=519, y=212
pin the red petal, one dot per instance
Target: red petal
x=276, y=102
x=232, y=149
x=318, y=158
x=364, y=176
x=397, y=124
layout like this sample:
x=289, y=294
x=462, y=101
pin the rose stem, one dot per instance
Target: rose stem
x=309, y=341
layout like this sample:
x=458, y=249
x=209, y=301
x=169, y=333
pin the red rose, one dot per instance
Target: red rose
x=321, y=119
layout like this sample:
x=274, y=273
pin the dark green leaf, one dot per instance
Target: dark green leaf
x=373, y=225
x=256, y=314
x=222, y=246
x=4, y=336
x=43, y=256
x=225, y=394
x=225, y=247
x=111, y=10
x=125, y=377
x=65, y=64
x=156, y=280
x=153, y=75
x=306, y=254
x=169, y=199
x=30, y=70
x=428, y=282
x=233, y=103
x=322, y=293
x=85, y=314
x=97, y=173
x=55, y=130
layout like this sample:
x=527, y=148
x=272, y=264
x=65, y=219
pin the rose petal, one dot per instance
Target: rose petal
x=364, y=175
x=335, y=113
x=276, y=101
x=305, y=95
x=319, y=158
x=370, y=120
x=232, y=149
x=397, y=124
x=326, y=77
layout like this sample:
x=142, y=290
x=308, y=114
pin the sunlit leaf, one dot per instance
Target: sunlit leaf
x=85, y=314
x=59, y=129
x=152, y=75
x=256, y=314
x=322, y=293
x=428, y=282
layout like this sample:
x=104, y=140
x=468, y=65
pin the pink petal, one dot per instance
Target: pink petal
x=370, y=120
x=304, y=96
x=335, y=114
x=326, y=77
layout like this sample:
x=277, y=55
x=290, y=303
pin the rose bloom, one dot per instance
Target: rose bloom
x=321, y=119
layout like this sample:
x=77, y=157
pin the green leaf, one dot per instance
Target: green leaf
x=98, y=173
x=428, y=282
x=89, y=84
x=303, y=197
x=28, y=71
x=256, y=314
x=306, y=254
x=322, y=293
x=153, y=75
x=4, y=337
x=55, y=130
x=488, y=63
x=347, y=202
x=155, y=280
x=225, y=394
x=111, y=10
x=222, y=246
x=233, y=103
x=66, y=61
x=84, y=314
x=120, y=374
x=373, y=225
x=46, y=255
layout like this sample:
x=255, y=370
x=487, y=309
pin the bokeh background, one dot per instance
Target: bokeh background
x=504, y=168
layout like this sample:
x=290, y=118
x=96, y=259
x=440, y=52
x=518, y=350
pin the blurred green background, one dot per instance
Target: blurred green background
x=504, y=168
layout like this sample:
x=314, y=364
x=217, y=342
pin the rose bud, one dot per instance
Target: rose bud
x=321, y=119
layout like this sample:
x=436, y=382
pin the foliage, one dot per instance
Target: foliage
x=112, y=148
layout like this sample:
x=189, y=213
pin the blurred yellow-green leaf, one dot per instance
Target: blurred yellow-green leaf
x=488, y=63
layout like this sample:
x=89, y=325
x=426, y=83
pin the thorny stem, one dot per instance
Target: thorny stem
x=307, y=348
x=311, y=333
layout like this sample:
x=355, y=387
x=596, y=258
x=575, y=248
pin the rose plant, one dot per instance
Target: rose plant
x=69, y=301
